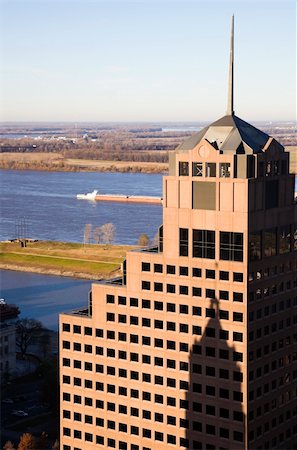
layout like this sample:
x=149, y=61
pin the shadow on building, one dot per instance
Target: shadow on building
x=215, y=417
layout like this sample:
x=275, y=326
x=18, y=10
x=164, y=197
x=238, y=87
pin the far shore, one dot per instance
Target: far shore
x=55, y=162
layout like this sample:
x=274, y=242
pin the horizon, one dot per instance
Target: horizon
x=164, y=61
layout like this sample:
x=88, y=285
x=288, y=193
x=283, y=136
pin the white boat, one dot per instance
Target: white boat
x=88, y=196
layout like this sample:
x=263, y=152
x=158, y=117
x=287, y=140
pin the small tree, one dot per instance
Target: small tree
x=87, y=233
x=108, y=231
x=98, y=235
x=27, y=442
x=8, y=446
x=25, y=330
x=143, y=240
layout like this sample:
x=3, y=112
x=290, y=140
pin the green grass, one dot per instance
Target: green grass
x=51, y=262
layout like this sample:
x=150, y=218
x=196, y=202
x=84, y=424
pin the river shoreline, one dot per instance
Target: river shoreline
x=53, y=272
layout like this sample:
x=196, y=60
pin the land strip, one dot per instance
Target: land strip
x=67, y=259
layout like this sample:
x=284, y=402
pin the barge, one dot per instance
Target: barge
x=128, y=198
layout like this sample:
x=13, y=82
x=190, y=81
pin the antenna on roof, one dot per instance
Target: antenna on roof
x=230, y=110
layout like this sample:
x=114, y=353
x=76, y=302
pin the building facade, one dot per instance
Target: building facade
x=194, y=347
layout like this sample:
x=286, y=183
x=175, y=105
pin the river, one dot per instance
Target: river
x=43, y=205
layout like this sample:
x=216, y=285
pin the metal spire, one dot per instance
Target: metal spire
x=230, y=109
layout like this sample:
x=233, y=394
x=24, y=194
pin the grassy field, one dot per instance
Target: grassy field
x=100, y=261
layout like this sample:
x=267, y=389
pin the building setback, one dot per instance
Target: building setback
x=194, y=347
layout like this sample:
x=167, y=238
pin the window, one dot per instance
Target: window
x=158, y=268
x=158, y=287
x=231, y=246
x=99, y=332
x=134, y=302
x=238, y=297
x=284, y=240
x=224, y=295
x=196, y=292
x=197, y=169
x=122, y=300
x=210, y=274
x=210, y=170
x=224, y=275
x=270, y=242
x=203, y=244
x=183, y=168
x=66, y=327
x=170, y=288
x=256, y=246
x=145, y=267
x=146, y=304
x=238, y=276
x=183, y=290
x=183, y=242
x=66, y=345
x=77, y=329
x=146, y=285
x=183, y=271
x=237, y=317
x=170, y=269
x=170, y=307
x=224, y=170
x=88, y=331
x=110, y=317
x=109, y=298
x=196, y=272
x=271, y=194
x=237, y=336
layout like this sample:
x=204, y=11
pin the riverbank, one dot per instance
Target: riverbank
x=64, y=259
x=56, y=162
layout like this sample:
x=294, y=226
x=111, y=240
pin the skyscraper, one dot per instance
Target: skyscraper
x=194, y=347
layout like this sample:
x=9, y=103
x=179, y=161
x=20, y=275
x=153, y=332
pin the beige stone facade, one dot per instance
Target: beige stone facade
x=195, y=346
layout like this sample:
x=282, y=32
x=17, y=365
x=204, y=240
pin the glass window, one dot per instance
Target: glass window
x=145, y=267
x=183, y=242
x=170, y=269
x=183, y=168
x=224, y=170
x=285, y=239
x=210, y=170
x=270, y=242
x=197, y=169
x=203, y=244
x=231, y=246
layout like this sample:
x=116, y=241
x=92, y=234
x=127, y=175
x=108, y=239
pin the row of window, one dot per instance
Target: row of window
x=146, y=359
x=184, y=290
x=288, y=266
x=183, y=309
x=271, y=290
x=203, y=244
x=209, y=371
x=196, y=272
x=271, y=242
x=200, y=169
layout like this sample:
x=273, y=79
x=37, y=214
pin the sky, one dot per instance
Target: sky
x=149, y=60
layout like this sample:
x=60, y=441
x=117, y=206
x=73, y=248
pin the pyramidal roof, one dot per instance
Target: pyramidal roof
x=230, y=134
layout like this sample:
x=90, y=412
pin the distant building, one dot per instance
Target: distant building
x=7, y=337
x=194, y=347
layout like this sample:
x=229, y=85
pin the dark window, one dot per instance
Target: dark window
x=109, y=298
x=77, y=329
x=122, y=300
x=224, y=275
x=77, y=346
x=145, y=267
x=238, y=276
x=184, y=271
x=256, y=246
x=183, y=290
x=284, y=239
x=238, y=297
x=210, y=312
x=210, y=293
x=183, y=242
x=158, y=268
x=170, y=307
x=99, y=332
x=203, y=244
x=146, y=304
x=196, y=311
x=231, y=246
x=171, y=288
x=170, y=269
x=158, y=287
x=183, y=168
x=133, y=320
x=196, y=292
x=224, y=295
x=210, y=273
x=66, y=327
x=66, y=345
x=270, y=242
x=197, y=169
x=88, y=331
x=146, y=285
x=133, y=301
x=196, y=272
x=197, y=330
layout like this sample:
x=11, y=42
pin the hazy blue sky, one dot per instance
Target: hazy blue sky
x=105, y=60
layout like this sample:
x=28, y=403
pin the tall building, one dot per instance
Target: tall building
x=194, y=347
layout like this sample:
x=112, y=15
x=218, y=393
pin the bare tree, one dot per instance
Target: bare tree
x=8, y=446
x=87, y=233
x=25, y=330
x=98, y=235
x=108, y=232
x=143, y=240
x=27, y=442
